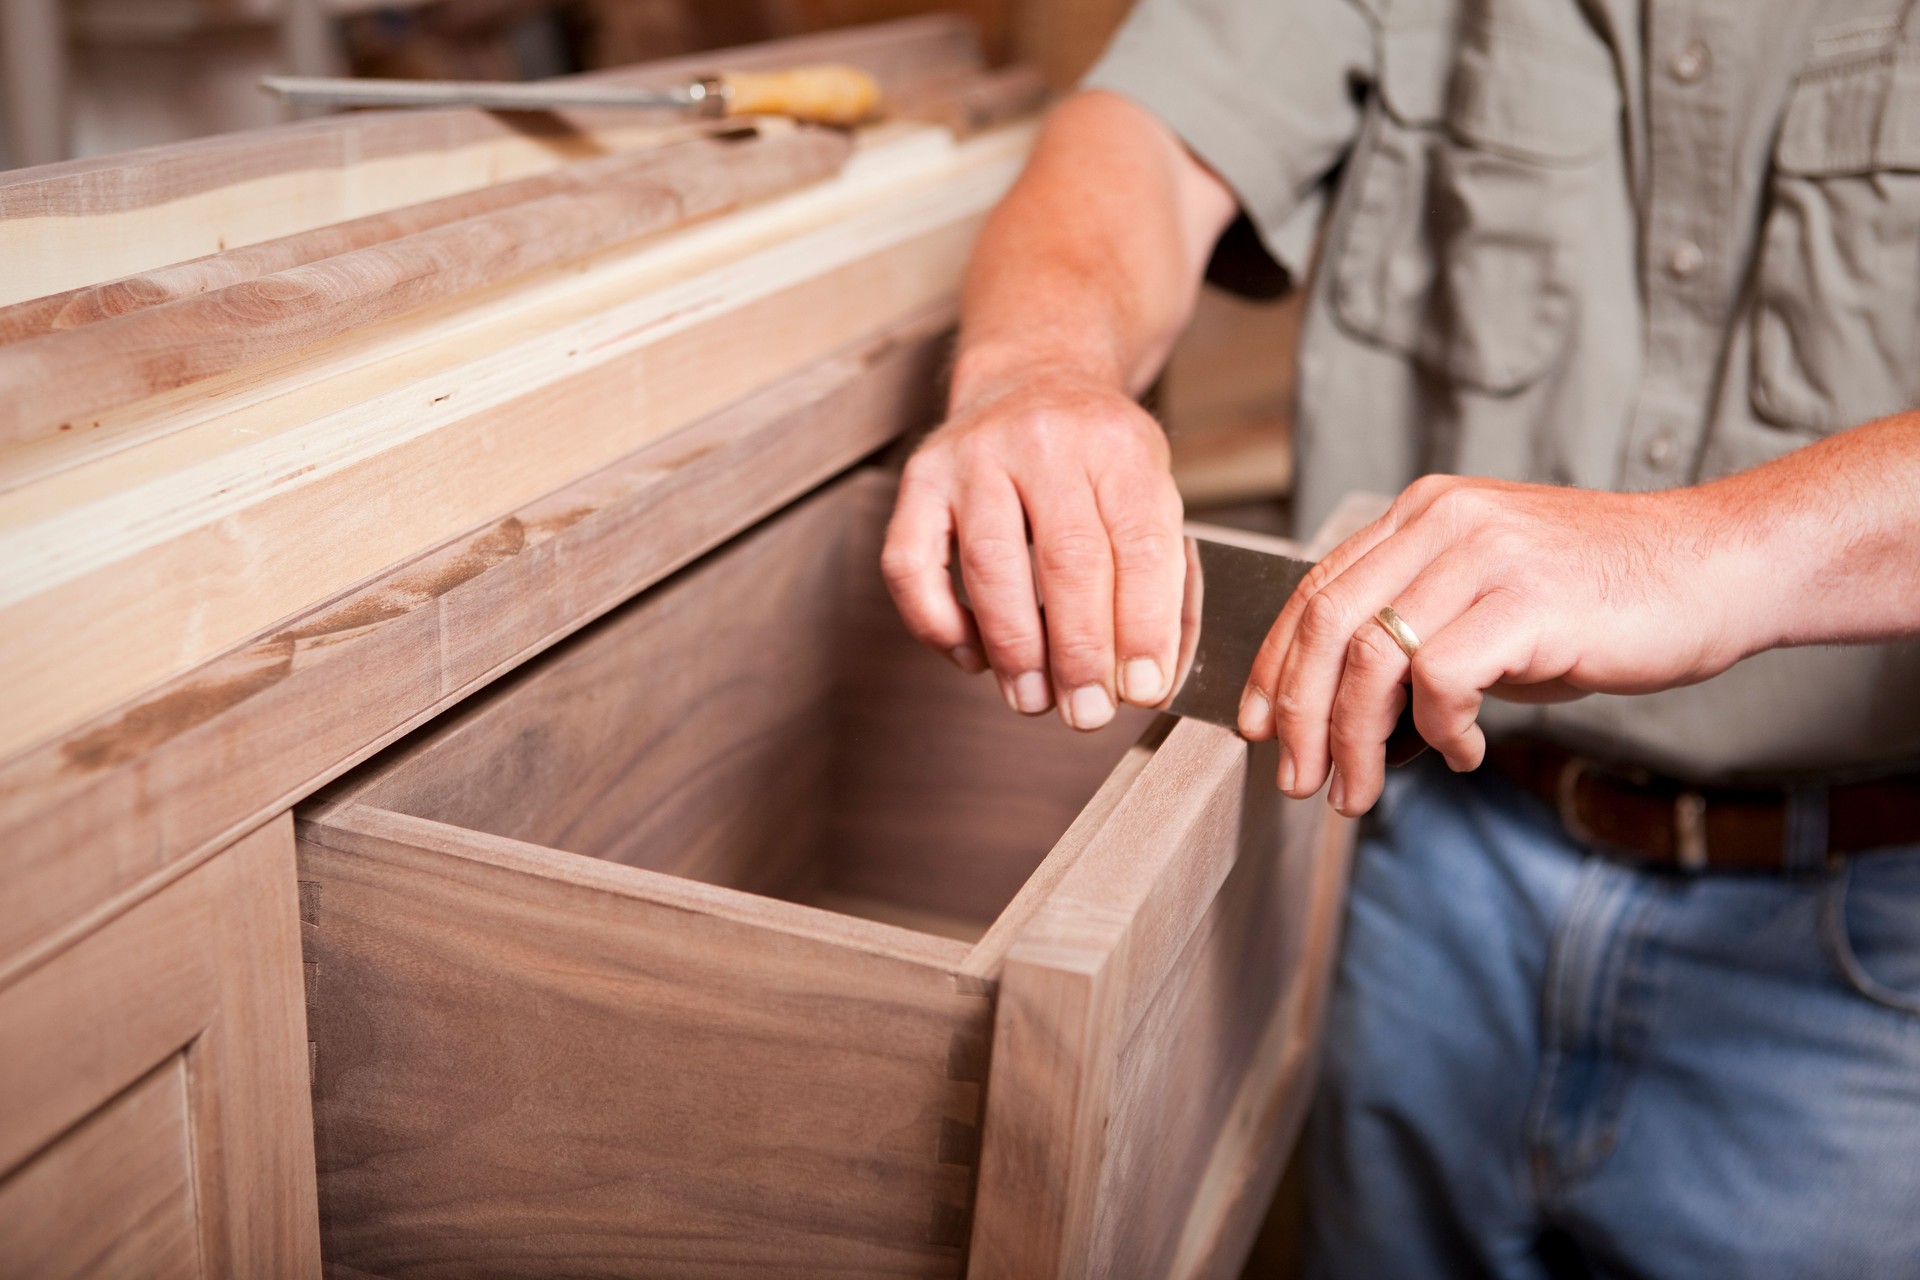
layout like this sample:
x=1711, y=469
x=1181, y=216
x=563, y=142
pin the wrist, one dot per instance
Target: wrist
x=986, y=371
x=1753, y=558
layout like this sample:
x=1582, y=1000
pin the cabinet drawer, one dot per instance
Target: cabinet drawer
x=737, y=935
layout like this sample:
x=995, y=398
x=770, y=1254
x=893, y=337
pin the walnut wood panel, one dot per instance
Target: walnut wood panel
x=1155, y=1025
x=188, y=1068
x=147, y=788
x=131, y=1163
x=535, y=1064
x=1156, y=977
x=66, y=225
x=65, y=381
x=764, y=721
x=1007, y=788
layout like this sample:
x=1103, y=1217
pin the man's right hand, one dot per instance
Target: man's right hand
x=1076, y=465
x=1079, y=284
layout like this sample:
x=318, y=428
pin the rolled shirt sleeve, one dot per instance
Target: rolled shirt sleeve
x=1266, y=93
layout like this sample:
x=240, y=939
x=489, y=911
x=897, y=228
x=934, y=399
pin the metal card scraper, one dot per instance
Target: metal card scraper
x=1236, y=586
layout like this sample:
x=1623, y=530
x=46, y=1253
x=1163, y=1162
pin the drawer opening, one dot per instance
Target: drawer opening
x=762, y=721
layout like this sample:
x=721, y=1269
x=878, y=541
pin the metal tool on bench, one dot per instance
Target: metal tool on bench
x=835, y=95
x=1235, y=588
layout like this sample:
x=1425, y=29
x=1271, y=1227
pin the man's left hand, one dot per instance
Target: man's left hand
x=1529, y=592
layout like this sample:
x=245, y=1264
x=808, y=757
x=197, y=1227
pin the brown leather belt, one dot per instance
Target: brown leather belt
x=1648, y=818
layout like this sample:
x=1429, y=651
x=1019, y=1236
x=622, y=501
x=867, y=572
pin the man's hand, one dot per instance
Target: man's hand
x=1082, y=468
x=1525, y=591
x=1078, y=286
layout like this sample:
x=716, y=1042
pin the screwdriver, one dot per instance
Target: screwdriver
x=837, y=95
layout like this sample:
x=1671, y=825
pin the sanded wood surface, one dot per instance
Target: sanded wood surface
x=104, y=301
x=1156, y=1022
x=643, y=1088
x=67, y=225
x=167, y=1050
x=853, y=764
x=150, y=786
x=65, y=381
x=114, y=1197
x=249, y=500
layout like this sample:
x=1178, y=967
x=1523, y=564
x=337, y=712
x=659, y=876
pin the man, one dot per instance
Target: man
x=1637, y=990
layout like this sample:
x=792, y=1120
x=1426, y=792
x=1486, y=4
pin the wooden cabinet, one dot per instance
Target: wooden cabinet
x=737, y=935
x=159, y=1125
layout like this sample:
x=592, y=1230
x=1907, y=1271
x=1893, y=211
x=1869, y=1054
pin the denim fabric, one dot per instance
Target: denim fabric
x=1543, y=1064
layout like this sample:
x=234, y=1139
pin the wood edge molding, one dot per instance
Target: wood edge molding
x=352, y=827
x=108, y=812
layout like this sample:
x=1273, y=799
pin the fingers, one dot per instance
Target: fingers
x=1074, y=559
x=1310, y=671
x=1489, y=641
x=998, y=572
x=1257, y=721
x=1141, y=512
x=1372, y=682
x=914, y=563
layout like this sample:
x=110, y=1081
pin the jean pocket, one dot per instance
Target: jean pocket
x=1870, y=923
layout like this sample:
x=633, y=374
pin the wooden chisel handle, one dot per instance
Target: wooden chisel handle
x=823, y=95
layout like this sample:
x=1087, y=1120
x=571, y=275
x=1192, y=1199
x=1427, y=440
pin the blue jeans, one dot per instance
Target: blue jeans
x=1544, y=1064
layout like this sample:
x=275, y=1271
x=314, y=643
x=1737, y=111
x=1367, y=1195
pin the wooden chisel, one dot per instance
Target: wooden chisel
x=835, y=95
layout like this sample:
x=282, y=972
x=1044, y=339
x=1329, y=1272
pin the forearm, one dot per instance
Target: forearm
x=1091, y=264
x=1836, y=526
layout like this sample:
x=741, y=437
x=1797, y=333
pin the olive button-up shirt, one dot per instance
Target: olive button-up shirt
x=1621, y=244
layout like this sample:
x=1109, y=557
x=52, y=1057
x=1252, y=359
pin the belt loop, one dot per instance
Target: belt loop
x=1806, y=832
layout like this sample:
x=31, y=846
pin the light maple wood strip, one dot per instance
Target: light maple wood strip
x=197, y=539
x=66, y=225
x=63, y=381
x=139, y=793
x=706, y=1129
x=973, y=101
x=91, y=303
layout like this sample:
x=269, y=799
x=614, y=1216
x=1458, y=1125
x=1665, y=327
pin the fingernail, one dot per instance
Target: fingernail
x=1089, y=707
x=1337, y=792
x=967, y=659
x=1141, y=681
x=1288, y=775
x=1027, y=693
x=1256, y=713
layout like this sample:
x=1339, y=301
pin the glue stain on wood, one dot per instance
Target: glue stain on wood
x=144, y=727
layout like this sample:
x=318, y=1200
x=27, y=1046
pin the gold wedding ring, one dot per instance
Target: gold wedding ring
x=1396, y=626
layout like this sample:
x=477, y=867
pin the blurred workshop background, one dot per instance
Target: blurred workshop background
x=84, y=78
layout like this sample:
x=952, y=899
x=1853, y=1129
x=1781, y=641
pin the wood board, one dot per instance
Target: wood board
x=270, y=493
x=66, y=225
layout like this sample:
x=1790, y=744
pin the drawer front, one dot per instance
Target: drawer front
x=698, y=947
x=167, y=1132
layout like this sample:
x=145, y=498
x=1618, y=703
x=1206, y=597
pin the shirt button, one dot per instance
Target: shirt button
x=1685, y=259
x=1691, y=62
x=1660, y=449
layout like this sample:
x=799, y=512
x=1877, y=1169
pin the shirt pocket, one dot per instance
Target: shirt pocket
x=1462, y=245
x=1836, y=311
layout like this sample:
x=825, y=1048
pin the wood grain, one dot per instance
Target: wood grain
x=67, y=225
x=1158, y=1017
x=114, y=1197
x=644, y=1088
x=64, y=381
x=665, y=738
x=199, y=985
x=90, y=303
x=153, y=785
x=260, y=498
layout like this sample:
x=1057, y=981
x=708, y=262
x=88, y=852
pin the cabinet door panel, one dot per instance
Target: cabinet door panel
x=158, y=1121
